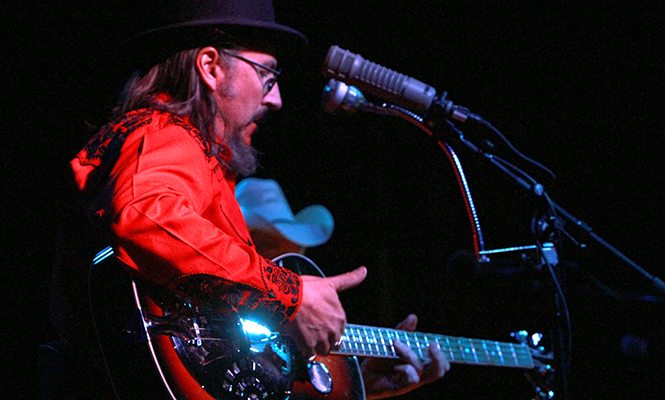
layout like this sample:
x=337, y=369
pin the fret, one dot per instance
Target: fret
x=419, y=346
x=406, y=340
x=389, y=335
x=347, y=341
x=459, y=346
x=462, y=350
x=366, y=345
x=470, y=350
x=384, y=342
x=473, y=350
x=370, y=343
x=376, y=342
x=422, y=346
x=507, y=354
x=393, y=335
x=362, y=342
x=477, y=350
x=512, y=351
x=354, y=341
x=482, y=355
x=492, y=356
x=513, y=354
x=410, y=341
x=486, y=352
x=425, y=356
x=451, y=355
x=500, y=353
x=390, y=344
x=456, y=351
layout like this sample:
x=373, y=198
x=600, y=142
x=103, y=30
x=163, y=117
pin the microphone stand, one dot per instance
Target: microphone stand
x=538, y=189
x=562, y=330
x=519, y=176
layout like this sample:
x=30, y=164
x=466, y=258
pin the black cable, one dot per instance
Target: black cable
x=513, y=148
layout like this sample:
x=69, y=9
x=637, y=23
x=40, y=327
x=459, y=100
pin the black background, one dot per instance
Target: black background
x=575, y=85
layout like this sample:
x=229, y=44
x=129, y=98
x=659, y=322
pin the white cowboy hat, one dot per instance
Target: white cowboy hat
x=264, y=206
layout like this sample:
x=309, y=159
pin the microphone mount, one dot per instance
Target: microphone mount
x=338, y=95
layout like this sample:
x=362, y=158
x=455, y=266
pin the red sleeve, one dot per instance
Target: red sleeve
x=175, y=221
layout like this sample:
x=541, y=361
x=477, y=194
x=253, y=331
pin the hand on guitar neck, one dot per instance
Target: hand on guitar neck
x=389, y=377
x=321, y=320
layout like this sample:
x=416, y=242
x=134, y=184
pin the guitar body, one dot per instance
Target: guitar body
x=170, y=349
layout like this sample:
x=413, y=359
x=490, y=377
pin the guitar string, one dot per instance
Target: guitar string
x=357, y=337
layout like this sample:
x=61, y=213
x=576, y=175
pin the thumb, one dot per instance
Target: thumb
x=349, y=279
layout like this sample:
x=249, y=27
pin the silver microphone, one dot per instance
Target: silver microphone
x=378, y=81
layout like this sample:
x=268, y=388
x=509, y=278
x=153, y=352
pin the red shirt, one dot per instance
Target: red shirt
x=158, y=194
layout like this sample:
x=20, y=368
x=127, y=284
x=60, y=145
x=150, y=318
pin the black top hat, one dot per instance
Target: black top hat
x=169, y=26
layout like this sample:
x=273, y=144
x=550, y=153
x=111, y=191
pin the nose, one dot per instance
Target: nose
x=273, y=99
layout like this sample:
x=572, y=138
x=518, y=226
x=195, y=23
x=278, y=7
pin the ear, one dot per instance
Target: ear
x=208, y=67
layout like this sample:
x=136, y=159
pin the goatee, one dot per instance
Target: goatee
x=244, y=159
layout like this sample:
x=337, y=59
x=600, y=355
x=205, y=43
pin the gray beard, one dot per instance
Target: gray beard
x=244, y=160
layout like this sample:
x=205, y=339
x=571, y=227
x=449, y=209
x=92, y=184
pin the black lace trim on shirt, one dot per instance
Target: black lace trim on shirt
x=245, y=301
x=103, y=149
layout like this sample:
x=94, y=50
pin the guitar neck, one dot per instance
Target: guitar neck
x=367, y=341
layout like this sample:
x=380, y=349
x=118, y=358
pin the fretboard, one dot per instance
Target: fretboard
x=367, y=341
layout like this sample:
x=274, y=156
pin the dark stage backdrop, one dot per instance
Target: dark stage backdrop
x=576, y=86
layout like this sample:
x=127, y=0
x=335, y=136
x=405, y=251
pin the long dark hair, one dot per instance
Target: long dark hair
x=177, y=79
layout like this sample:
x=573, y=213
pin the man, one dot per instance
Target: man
x=276, y=230
x=157, y=183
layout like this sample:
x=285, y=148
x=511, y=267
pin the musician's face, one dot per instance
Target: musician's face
x=239, y=87
x=242, y=97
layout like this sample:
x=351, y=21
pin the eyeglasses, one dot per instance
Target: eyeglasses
x=268, y=83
